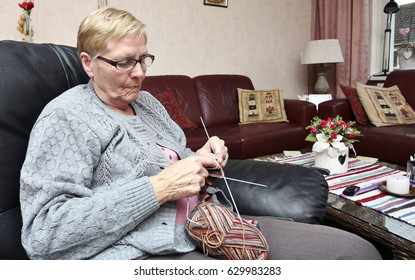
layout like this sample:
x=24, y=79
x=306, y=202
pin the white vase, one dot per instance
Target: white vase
x=336, y=164
x=28, y=27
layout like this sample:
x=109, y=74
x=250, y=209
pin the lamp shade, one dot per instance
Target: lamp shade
x=322, y=51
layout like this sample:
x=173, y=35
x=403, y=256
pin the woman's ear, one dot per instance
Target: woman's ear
x=86, y=61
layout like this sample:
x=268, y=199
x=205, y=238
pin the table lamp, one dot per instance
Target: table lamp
x=322, y=52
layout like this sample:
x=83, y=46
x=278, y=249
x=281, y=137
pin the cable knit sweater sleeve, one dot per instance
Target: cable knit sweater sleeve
x=84, y=185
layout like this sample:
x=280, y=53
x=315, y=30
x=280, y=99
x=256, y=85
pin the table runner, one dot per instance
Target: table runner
x=367, y=176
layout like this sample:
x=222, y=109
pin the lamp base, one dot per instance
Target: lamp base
x=321, y=86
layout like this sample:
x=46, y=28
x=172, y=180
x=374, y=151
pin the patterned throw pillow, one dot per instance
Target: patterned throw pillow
x=357, y=107
x=385, y=106
x=173, y=109
x=261, y=106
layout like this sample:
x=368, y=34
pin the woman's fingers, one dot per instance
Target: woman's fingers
x=184, y=178
x=215, y=146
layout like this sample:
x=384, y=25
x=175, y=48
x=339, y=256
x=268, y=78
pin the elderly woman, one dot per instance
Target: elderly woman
x=107, y=173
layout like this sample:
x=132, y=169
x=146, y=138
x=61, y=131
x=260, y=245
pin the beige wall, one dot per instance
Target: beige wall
x=262, y=39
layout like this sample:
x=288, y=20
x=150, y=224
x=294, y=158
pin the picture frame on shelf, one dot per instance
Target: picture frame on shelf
x=218, y=3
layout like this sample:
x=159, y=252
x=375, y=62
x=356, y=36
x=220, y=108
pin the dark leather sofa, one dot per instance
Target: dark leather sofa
x=392, y=144
x=215, y=99
x=33, y=74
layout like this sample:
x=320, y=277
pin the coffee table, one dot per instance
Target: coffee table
x=396, y=236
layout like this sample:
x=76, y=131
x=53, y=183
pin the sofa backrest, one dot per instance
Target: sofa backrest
x=30, y=76
x=405, y=80
x=212, y=97
x=219, y=97
x=182, y=88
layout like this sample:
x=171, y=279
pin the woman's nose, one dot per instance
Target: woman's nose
x=138, y=71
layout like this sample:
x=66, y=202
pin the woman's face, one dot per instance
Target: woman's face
x=114, y=87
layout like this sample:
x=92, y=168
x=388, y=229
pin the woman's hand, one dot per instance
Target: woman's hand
x=184, y=178
x=216, y=147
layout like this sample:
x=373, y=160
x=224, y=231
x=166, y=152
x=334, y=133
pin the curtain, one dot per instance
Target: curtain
x=349, y=22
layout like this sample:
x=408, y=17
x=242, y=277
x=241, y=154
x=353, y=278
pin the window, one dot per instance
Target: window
x=378, y=33
x=405, y=18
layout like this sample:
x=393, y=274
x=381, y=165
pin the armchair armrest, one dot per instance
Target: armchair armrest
x=336, y=107
x=300, y=112
x=10, y=243
x=294, y=192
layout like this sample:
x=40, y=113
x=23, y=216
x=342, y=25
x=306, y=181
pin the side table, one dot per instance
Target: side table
x=315, y=98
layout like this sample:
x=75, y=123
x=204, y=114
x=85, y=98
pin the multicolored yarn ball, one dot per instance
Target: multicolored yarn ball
x=222, y=234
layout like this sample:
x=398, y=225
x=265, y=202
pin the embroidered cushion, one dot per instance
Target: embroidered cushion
x=261, y=106
x=357, y=107
x=173, y=109
x=385, y=106
x=221, y=234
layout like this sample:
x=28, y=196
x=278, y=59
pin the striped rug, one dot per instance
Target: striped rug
x=367, y=176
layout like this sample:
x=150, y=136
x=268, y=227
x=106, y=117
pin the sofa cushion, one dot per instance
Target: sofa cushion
x=261, y=106
x=385, y=106
x=252, y=140
x=393, y=144
x=196, y=138
x=183, y=89
x=173, y=109
x=357, y=107
x=219, y=97
x=405, y=79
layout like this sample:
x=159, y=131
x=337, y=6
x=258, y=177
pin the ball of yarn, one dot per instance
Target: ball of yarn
x=222, y=234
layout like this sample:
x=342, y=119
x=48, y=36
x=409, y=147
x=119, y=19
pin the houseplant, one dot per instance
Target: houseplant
x=333, y=138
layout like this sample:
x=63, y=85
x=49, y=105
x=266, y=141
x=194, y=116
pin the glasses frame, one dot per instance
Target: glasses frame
x=140, y=60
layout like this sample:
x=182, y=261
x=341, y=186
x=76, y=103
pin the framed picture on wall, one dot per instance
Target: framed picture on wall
x=218, y=3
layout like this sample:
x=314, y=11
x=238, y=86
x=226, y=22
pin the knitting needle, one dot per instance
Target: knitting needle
x=246, y=182
x=232, y=179
x=221, y=176
x=226, y=183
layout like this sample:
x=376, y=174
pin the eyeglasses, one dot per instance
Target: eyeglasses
x=129, y=63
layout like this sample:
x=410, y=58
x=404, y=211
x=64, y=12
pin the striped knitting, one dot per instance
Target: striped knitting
x=221, y=234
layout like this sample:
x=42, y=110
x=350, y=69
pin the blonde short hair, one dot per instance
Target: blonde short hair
x=105, y=25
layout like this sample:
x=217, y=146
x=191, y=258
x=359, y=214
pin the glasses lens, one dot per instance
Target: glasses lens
x=146, y=61
x=126, y=64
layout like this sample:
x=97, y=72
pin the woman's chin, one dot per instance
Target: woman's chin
x=132, y=93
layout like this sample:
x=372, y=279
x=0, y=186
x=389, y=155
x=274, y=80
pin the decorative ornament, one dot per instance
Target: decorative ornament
x=406, y=53
x=24, y=24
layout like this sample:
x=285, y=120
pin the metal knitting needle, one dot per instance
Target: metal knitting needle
x=246, y=182
x=219, y=177
x=225, y=180
x=232, y=179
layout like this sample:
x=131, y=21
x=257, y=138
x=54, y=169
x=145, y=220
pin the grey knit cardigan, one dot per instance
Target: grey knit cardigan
x=85, y=188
